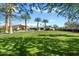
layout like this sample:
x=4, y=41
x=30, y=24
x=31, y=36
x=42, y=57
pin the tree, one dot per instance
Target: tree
x=6, y=24
x=68, y=10
x=3, y=11
x=45, y=21
x=72, y=25
x=25, y=17
x=55, y=26
x=38, y=20
x=7, y=10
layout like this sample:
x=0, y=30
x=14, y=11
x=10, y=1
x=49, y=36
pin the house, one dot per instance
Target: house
x=19, y=27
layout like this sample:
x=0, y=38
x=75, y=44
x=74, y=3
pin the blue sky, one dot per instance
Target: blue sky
x=51, y=17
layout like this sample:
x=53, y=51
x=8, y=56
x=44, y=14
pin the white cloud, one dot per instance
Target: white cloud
x=52, y=20
x=30, y=24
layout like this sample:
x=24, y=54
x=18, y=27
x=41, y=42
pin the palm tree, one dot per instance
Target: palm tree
x=7, y=9
x=38, y=20
x=10, y=9
x=25, y=17
x=3, y=11
x=55, y=26
x=6, y=24
x=45, y=21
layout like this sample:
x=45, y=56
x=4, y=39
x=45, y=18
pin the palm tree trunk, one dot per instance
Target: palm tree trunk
x=6, y=24
x=10, y=20
x=10, y=23
x=25, y=25
x=45, y=26
x=37, y=25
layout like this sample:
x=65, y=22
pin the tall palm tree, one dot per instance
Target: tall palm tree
x=25, y=17
x=38, y=20
x=6, y=24
x=3, y=11
x=7, y=9
x=10, y=9
x=55, y=26
x=45, y=21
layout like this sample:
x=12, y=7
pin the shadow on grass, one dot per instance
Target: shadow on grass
x=58, y=35
x=38, y=47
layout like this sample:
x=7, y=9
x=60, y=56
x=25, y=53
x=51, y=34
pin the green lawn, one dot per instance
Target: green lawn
x=42, y=43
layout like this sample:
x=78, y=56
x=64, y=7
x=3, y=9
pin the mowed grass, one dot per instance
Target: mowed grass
x=40, y=43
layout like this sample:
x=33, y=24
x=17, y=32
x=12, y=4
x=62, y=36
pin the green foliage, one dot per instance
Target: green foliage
x=37, y=19
x=25, y=16
x=45, y=21
x=43, y=43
